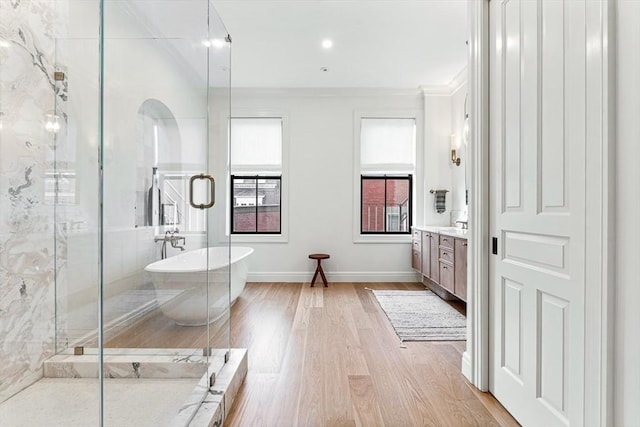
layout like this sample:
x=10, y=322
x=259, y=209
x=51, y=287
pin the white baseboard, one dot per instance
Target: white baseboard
x=466, y=366
x=344, y=276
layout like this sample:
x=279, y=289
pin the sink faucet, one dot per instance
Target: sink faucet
x=171, y=237
x=464, y=224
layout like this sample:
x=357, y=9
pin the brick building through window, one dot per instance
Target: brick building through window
x=387, y=165
x=256, y=204
x=386, y=204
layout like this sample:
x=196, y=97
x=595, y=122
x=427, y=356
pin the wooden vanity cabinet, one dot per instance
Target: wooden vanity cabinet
x=460, y=262
x=426, y=254
x=446, y=276
x=416, y=260
x=446, y=242
x=416, y=251
x=443, y=263
x=434, y=258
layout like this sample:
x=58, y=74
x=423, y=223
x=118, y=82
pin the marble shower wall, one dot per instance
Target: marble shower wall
x=28, y=92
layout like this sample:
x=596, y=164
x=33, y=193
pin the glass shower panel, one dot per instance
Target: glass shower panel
x=222, y=278
x=161, y=303
x=71, y=179
x=100, y=137
x=49, y=137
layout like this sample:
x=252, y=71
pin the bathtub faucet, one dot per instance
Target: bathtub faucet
x=172, y=237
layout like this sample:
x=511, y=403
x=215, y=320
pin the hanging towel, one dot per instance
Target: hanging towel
x=440, y=200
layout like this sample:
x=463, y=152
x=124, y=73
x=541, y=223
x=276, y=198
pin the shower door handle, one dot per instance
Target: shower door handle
x=212, y=183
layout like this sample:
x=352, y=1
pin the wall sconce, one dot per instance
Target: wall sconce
x=454, y=150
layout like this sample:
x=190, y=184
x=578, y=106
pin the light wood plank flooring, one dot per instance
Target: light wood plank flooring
x=329, y=357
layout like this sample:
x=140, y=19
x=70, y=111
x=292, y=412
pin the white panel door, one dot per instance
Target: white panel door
x=537, y=138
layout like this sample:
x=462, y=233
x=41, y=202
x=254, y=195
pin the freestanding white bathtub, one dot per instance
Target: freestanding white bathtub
x=186, y=274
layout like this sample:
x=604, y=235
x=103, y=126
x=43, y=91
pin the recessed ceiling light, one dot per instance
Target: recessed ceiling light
x=324, y=69
x=327, y=44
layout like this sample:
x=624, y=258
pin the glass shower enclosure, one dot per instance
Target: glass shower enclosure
x=114, y=286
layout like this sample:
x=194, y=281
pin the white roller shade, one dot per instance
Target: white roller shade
x=256, y=144
x=387, y=145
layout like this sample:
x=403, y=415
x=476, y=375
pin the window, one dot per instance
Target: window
x=387, y=166
x=256, y=175
x=386, y=204
x=256, y=204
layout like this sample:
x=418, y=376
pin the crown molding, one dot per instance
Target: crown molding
x=328, y=92
x=457, y=82
x=436, y=90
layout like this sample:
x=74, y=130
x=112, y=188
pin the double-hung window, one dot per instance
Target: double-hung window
x=387, y=166
x=256, y=175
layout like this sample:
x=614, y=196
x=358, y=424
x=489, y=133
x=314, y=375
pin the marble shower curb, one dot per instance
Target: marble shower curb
x=132, y=363
x=213, y=410
x=205, y=407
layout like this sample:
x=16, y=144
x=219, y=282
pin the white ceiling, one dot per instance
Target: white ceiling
x=377, y=43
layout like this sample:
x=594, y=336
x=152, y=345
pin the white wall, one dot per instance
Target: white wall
x=444, y=116
x=437, y=154
x=459, y=173
x=627, y=315
x=320, y=181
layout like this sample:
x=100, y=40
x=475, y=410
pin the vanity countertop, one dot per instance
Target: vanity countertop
x=449, y=231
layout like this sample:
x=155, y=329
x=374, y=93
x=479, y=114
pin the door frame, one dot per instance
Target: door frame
x=600, y=207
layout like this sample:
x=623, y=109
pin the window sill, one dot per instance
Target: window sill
x=258, y=238
x=380, y=238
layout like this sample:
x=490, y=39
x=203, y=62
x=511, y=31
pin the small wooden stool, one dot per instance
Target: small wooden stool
x=319, y=258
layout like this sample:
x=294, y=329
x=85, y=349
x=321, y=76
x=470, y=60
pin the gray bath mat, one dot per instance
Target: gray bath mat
x=422, y=316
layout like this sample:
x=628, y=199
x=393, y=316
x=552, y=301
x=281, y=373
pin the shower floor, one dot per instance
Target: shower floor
x=128, y=402
x=144, y=344
x=73, y=402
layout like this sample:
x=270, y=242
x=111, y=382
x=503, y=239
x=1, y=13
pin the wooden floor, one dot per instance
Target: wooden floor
x=329, y=357
x=159, y=331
